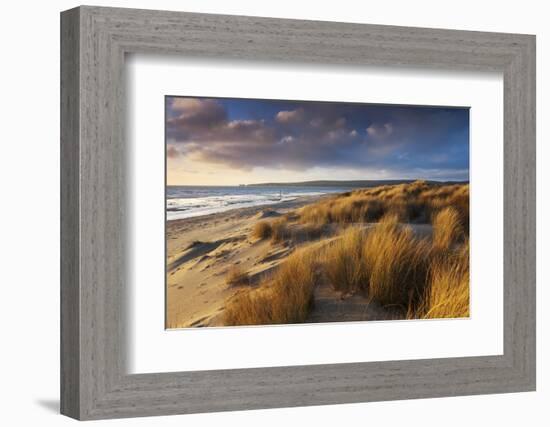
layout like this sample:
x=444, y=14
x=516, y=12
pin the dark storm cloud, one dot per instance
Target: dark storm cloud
x=301, y=135
x=194, y=115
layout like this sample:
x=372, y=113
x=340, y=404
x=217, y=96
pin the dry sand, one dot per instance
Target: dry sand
x=201, y=250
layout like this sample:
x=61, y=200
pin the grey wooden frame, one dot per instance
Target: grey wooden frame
x=94, y=382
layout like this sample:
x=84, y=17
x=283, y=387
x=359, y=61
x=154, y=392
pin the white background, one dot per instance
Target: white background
x=153, y=349
x=29, y=168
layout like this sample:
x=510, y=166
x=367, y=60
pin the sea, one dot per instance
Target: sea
x=192, y=201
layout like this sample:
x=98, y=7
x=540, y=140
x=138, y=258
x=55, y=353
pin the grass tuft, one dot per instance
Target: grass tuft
x=448, y=293
x=396, y=263
x=262, y=230
x=285, y=297
x=447, y=229
x=343, y=262
x=279, y=230
x=237, y=277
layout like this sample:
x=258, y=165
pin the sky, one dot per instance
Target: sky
x=229, y=141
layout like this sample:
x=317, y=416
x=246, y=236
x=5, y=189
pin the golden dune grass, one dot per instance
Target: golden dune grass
x=389, y=265
x=416, y=202
x=448, y=293
x=385, y=262
x=279, y=230
x=262, y=230
x=283, y=298
x=343, y=262
x=396, y=263
x=236, y=276
x=447, y=228
x=276, y=229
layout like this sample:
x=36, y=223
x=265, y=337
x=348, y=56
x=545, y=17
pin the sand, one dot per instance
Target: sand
x=201, y=250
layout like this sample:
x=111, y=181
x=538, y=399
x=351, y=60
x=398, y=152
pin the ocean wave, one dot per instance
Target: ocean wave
x=187, y=202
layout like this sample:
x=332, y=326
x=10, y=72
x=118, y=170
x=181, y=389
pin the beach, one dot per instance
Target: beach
x=200, y=251
x=383, y=253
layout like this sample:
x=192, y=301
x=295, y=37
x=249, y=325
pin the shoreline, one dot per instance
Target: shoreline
x=200, y=251
x=251, y=210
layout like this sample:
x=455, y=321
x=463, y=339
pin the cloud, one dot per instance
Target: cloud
x=205, y=120
x=245, y=134
x=172, y=152
x=287, y=139
x=195, y=114
x=380, y=131
x=288, y=117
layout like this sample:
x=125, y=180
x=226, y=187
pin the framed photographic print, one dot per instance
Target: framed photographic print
x=312, y=249
x=262, y=213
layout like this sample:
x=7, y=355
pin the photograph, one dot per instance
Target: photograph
x=287, y=212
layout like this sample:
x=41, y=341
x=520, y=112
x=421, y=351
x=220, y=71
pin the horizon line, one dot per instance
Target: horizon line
x=323, y=180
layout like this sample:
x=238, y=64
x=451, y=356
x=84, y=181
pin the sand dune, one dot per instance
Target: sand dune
x=218, y=262
x=201, y=251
